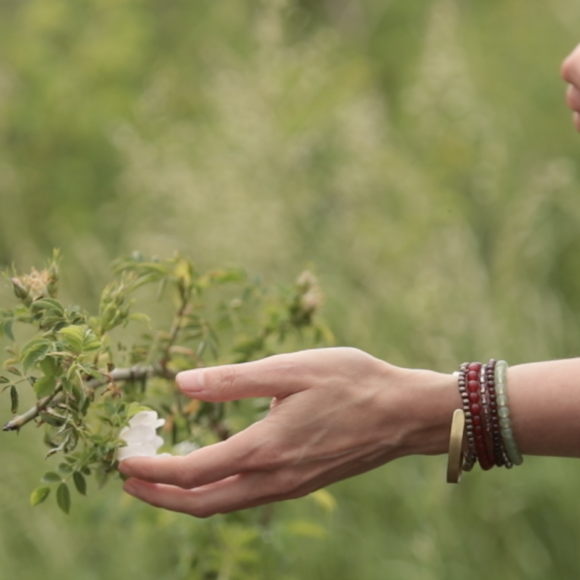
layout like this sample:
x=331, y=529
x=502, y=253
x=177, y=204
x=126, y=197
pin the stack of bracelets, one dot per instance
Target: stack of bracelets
x=484, y=421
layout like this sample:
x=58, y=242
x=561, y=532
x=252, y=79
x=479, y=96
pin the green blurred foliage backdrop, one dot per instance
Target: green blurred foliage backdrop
x=419, y=154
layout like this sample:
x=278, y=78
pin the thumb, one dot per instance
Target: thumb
x=275, y=376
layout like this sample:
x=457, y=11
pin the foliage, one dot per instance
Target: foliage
x=419, y=153
x=73, y=362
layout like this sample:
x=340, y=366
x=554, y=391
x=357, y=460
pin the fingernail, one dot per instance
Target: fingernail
x=191, y=381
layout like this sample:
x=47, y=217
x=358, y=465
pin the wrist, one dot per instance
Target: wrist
x=432, y=398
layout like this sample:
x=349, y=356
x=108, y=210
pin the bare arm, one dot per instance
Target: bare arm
x=337, y=413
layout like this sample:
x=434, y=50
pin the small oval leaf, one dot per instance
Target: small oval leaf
x=33, y=352
x=80, y=482
x=63, y=497
x=13, y=399
x=44, y=386
x=51, y=477
x=39, y=495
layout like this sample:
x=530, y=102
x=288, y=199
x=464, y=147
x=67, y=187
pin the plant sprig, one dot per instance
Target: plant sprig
x=88, y=384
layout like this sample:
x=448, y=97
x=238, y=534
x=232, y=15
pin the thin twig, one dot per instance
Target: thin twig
x=117, y=375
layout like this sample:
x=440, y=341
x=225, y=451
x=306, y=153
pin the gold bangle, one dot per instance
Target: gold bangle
x=455, y=459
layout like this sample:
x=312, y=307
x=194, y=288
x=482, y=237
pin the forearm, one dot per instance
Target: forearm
x=544, y=403
x=544, y=400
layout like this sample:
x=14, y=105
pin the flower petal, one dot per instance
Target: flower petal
x=138, y=434
x=136, y=451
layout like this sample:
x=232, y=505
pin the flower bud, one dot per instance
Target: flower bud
x=20, y=290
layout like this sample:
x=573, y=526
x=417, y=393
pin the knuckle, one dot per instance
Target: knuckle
x=227, y=379
x=265, y=457
x=286, y=482
x=269, y=455
x=184, y=476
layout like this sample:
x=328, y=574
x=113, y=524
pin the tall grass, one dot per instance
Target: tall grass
x=420, y=157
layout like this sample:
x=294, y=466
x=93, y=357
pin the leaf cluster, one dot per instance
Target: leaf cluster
x=88, y=383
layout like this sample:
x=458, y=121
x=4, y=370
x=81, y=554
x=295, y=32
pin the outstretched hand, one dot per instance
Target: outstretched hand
x=571, y=74
x=335, y=413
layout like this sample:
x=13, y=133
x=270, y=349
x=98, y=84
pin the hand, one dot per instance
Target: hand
x=571, y=74
x=335, y=413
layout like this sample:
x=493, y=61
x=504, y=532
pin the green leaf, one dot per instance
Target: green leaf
x=51, y=477
x=13, y=399
x=91, y=342
x=80, y=482
x=141, y=317
x=4, y=380
x=49, y=366
x=54, y=420
x=34, y=351
x=63, y=497
x=135, y=408
x=44, y=386
x=64, y=468
x=48, y=304
x=6, y=329
x=14, y=371
x=79, y=339
x=73, y=336
x=39, y=495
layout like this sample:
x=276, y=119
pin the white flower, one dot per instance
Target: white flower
x=140, y=436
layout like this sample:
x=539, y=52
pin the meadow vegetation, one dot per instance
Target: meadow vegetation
x=418, y=156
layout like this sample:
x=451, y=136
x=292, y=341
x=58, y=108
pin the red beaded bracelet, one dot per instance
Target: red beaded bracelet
x=482, y=412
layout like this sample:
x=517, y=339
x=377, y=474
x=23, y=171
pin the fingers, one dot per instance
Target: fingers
x=573, y=97
x=571, y=74
x=238, y=492
x=276, y=376
x=245, y=490
x=235, y=493
x=571, y=67
x=240, y=453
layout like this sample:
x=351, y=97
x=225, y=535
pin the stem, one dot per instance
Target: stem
x=174, y=332
x=118, y=375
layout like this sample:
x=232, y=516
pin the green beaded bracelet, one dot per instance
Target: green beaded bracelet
x=503, y=413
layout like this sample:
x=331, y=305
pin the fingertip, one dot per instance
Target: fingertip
x=191, y=382
x=124, y=467
x=566, y=70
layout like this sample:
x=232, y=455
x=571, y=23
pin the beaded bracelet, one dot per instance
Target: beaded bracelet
x=477, y=405
x=485, y=398
x=503, y=412
x=471, y=456
x=490, y=439
x=499, y=451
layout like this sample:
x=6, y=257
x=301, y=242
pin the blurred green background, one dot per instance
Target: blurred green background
x=418, y=154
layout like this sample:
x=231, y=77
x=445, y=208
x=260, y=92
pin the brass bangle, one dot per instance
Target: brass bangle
x=455, y=459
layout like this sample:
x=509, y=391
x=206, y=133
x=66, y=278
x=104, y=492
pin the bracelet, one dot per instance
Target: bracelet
x=477, y=406
x=503, y=412
x=471, y=455
x=455, y=459
x=484, y=421
x=499, y=451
